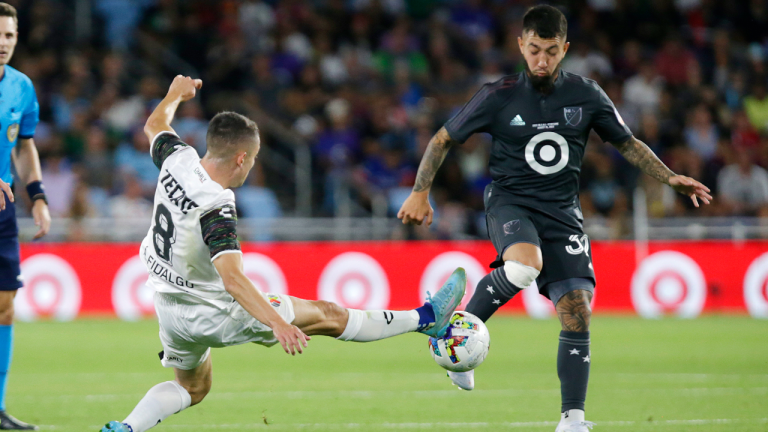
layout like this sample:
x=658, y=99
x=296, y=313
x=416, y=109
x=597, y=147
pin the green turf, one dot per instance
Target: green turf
x=709, y=374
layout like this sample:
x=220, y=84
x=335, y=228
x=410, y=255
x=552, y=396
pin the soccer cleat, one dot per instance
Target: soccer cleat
x=463, y=380
x=116, y=426
x=583, y=426
x=8, y=422
x=445, y=301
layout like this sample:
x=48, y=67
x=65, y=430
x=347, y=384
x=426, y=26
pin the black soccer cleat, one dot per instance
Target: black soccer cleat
x=8, y=422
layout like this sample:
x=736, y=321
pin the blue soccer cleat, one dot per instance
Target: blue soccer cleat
x=445, y=301
x=116, y=426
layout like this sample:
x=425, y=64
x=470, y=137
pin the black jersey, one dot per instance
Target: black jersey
x=539, y=140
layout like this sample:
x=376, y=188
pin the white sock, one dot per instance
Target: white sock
x=573, y=416
x=371, y=325
x=157, y=405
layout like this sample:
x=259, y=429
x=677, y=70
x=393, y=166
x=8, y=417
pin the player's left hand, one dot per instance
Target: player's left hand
x=690, y=187
x=42, y=218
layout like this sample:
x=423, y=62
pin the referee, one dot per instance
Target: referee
x=18, y=119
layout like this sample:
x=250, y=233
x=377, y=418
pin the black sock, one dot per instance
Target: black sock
x=573, y=369
x=491, y=293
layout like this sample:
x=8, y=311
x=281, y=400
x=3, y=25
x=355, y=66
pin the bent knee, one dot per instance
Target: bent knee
x=519, y=274
x=197, y=391
x=333, y=317
x=575, y=311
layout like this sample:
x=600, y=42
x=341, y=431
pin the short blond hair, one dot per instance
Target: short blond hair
x=7, y=10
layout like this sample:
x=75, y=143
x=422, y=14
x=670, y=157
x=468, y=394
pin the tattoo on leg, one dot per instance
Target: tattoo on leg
x=574, y=311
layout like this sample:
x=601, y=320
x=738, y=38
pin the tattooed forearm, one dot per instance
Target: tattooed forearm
x=574, y=311
x=639, y=155
x=436, y=150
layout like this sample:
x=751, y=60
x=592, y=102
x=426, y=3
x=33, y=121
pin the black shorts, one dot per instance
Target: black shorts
x=10, y=269
x=564, y=248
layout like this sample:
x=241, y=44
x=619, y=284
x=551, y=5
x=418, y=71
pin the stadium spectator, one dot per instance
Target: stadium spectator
x=644, y=89
x=743, y=186
x=756, y=106
x=701, y=134
x=687, y=77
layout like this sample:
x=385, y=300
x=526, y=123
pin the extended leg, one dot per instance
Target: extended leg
x=573, y=358
x=171, y=397
x=329, y=319
x=522, y=264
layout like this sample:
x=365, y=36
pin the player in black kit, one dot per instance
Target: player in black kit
x=540, y=120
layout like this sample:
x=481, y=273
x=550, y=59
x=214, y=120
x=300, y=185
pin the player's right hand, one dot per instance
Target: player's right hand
x=7, y=189
x=416, y=209
x=185, y=87
x=290, y=337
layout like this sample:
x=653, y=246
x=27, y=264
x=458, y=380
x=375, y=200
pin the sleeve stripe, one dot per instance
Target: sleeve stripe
x=154, y=140
x=470, y=107
x=213, y=258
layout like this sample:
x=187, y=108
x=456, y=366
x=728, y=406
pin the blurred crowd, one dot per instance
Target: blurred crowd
x=366, y=83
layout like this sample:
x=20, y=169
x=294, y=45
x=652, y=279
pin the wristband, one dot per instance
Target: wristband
x=36, y=191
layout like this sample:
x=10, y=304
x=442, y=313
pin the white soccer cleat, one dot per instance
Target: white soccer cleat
x=463, y=380
x=573, y=421
x=584, y=426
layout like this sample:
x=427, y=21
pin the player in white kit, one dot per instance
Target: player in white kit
x=203, y=299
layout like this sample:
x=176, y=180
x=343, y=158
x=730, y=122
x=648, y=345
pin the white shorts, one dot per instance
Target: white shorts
x=189, y=329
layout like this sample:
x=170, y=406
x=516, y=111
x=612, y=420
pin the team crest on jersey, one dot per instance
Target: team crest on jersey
x=274, y=300
x=572, y=115
x=13, y=132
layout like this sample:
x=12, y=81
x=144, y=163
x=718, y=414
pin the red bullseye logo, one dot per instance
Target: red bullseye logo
x=668, y=282
x=669, y=290
x=756, y=287
x=264, y=272
x=354, y=280
x=132, y=297
x=440, y=268
x=52, y=289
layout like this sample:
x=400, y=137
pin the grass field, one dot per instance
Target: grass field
x=709, y=374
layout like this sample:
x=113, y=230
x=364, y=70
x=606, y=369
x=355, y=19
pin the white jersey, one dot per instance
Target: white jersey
x=178, y=250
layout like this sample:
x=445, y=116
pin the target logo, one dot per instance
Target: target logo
x=440, y=268
x=756, y=287
x=132, y=297
x=668, y=282
x=547, y=153
x=264, y=272
x=354, y=280
x=52, y=289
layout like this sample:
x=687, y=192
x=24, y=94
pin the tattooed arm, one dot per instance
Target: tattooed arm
x=436, y=150
x=639, y=155
x=416, y=209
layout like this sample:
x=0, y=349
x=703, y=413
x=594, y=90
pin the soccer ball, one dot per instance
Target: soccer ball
x=464, y=345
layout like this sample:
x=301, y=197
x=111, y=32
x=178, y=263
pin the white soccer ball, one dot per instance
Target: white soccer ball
x=465, y=344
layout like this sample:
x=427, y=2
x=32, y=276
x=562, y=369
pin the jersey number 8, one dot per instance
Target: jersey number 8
x=164, y=233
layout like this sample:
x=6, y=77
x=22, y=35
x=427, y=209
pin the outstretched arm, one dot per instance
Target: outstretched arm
x=416, y=208
x=639, y=155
